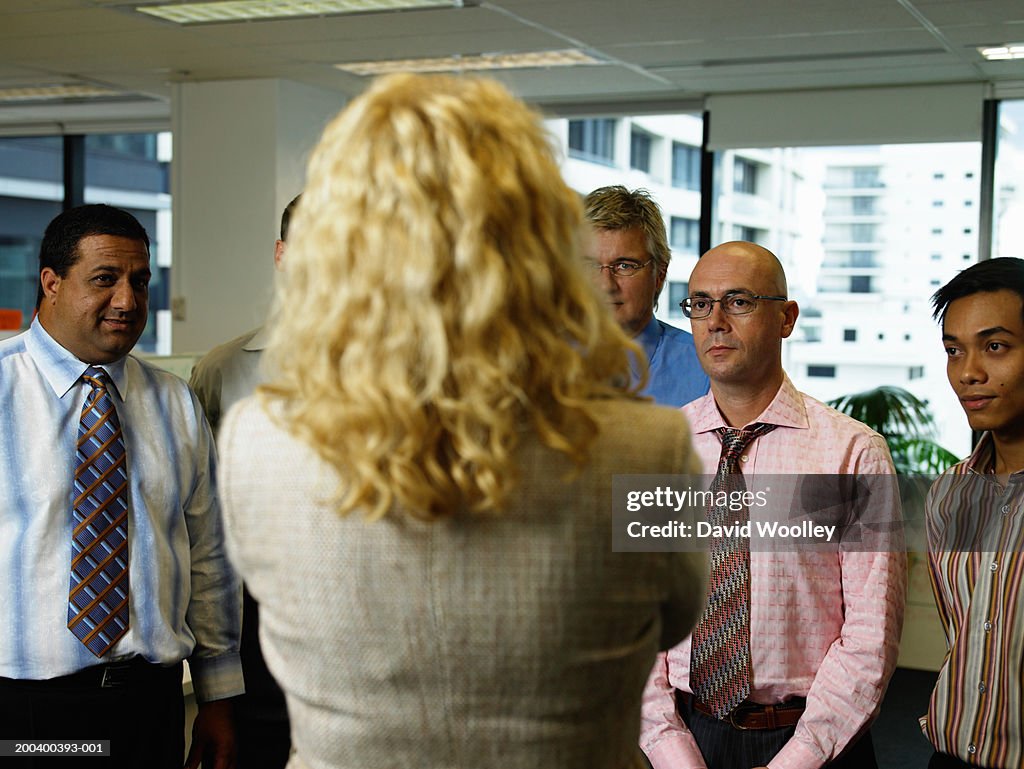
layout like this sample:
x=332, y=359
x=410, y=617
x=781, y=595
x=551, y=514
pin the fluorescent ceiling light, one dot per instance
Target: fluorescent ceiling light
x=249, y=10
x=485, y=61
x=1003, y=52
x=50, y=92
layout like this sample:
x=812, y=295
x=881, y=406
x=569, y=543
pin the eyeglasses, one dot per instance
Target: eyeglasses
x=619, y=269
x=737, y=303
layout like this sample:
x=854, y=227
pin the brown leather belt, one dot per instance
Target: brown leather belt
x=751, y=715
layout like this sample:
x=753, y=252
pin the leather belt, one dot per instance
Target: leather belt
x=134, y=671
x=751, y=715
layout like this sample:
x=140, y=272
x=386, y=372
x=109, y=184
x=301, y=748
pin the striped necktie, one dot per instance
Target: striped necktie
x=98, y=600
x=720, y=649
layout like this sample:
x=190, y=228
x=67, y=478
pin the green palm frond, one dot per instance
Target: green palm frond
x=890, y=411
x=906, y=423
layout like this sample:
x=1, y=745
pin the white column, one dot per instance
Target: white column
x=240, y=151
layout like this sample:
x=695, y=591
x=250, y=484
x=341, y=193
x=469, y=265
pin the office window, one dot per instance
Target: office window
x=745, y=175
x=861, y=232
x=860, y=284
x=915, y=372
x=640, y=150
x=867, y=177
x=684, y=234
x=849, y=335
x=128, y=170
x=749, y=234
x=821, y=371
x=864, y=205
x=685, y=166
x=593, y=140
x=678, y=290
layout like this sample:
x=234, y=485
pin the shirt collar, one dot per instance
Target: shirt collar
x=258, y=341
x=982, y=460
x=786, y=410
x=61, y=369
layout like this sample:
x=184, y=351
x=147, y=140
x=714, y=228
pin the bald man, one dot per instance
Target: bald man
x=790, y=661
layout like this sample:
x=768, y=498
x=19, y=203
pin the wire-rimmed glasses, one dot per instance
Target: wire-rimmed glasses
x=733, y=303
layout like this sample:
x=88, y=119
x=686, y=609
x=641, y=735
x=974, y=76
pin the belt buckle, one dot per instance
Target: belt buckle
x=732, y=720
x=115, y=676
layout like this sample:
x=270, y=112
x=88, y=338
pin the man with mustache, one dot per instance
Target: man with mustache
x=790, y=661
x=975, y=527
x=627, y=248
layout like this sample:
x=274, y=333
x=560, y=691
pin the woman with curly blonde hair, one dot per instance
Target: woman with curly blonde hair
x=420, y=497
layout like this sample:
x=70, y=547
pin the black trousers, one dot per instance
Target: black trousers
x=946, y=761
x=139, y=708
x=726, y=747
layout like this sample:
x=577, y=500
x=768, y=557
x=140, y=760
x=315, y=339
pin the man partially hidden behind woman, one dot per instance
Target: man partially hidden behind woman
x=420, y=499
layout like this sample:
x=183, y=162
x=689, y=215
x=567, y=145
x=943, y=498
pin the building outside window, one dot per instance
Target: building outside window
x=677, y=292
x=821, y=371
x=640, y=150
x=684, y=234
x=685, y=166
x=745, y=175
x=593, y=140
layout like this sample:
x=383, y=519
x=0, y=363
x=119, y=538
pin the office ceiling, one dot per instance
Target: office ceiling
x=656, y=51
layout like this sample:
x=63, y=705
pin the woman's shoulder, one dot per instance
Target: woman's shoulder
x=639, y=433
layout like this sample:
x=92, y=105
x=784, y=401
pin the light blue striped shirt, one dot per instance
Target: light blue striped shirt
x=185, y=598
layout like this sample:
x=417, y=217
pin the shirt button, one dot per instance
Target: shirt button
x=987, y=626
x=981, y=687
x=993, y=567
x=744, y=458
x=1006, y=509
x=972, y=749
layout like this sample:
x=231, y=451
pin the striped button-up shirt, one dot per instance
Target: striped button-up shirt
x=824, y=625
x=185, y=598
x=975, y=538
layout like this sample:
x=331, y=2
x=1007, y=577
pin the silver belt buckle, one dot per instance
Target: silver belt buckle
x=115, y=676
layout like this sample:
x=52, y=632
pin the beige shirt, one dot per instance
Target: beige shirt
x=229, y=373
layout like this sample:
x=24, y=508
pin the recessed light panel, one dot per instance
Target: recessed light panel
x=1003, y=52
x=474, y=62
x=252, y=10
x=50, y=92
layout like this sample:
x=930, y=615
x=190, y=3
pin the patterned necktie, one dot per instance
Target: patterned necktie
x=98, y=601
x=720, y=649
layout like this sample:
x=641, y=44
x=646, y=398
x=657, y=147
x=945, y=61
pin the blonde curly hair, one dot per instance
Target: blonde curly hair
x=434, y=308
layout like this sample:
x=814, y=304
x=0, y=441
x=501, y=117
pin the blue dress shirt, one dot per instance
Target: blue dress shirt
x=676, y=377
x=185, y=598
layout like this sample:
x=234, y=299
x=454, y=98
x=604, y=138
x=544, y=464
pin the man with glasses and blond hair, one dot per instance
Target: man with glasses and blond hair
x=789, y=662
x=628, y=250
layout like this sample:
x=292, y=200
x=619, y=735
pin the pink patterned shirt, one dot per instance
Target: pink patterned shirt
x=823, y=625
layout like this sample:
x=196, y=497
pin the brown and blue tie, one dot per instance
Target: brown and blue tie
x=98, y=600
x=720, y=646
